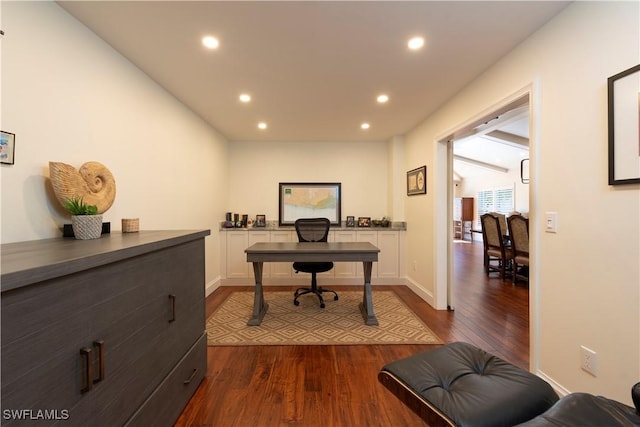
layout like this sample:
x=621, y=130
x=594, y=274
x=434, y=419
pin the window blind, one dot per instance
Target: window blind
x=495, y=200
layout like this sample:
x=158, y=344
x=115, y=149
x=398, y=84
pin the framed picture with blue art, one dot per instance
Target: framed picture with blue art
x=309, y=200
x=7, y=147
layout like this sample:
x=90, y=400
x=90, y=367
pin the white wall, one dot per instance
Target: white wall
x=585, y=287
x=485, y=179
x=70, y=97
x=256, y=168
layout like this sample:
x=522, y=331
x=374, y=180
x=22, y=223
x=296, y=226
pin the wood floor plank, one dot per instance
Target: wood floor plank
x=337, y=385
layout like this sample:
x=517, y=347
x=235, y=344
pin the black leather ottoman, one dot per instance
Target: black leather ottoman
x=461, y=385
x=586, y=410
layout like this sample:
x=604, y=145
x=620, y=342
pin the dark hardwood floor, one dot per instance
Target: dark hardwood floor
x=337, y=385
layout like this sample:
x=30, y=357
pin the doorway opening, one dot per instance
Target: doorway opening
x=508, y=125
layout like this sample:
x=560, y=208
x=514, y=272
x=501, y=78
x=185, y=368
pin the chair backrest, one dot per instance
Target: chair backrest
x=312, y=229
x=519, y=233
x=491, y=232
x=502, y=219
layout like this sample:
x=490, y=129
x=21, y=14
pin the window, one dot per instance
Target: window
x=495, y=200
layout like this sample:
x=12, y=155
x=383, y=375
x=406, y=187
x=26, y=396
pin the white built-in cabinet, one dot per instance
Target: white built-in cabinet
x=238, y=270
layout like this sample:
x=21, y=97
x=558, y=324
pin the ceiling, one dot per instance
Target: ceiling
x=313, y=68
x=497, y=146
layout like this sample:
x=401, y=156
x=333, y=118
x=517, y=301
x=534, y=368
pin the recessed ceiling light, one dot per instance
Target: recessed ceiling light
x=210, y=42
x=416, y=43
x=365, y=126
x=382, y=98
x=245, y=97
x=262, y=125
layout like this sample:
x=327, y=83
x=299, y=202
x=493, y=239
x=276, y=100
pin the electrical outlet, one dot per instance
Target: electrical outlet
x=415, y=266
x=589, y=360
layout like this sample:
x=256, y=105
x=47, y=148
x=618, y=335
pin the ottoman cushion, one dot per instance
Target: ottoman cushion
x=471, y=387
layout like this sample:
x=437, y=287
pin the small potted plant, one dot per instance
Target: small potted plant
x=85, y=220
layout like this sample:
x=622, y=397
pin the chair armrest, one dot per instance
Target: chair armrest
x=635, y=396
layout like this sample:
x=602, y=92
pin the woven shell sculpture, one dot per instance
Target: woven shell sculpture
x=93, y=182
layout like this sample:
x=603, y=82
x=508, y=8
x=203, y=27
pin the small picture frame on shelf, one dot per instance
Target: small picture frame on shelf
x=261, y=221
x=364, y=221
x=351, y=221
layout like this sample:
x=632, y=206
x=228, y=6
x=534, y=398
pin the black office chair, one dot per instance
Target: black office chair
x=312, y=230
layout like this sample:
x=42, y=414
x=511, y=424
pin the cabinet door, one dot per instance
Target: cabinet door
x=388, y=259
x=281, y=269
x=467, y=209
x=344, y=269
x=44, y=326
x=237, y=265
x=370, y=236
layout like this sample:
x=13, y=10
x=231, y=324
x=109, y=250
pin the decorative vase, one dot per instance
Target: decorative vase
x=86, y=227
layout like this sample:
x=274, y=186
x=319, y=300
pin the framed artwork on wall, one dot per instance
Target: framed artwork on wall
x=417, y=181
x=309, y=200
x=7, y=147
x=623, y=93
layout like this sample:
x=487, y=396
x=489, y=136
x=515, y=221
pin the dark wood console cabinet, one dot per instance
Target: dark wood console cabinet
x=104, y=332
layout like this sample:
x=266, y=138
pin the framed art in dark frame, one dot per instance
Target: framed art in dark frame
x=309, y=200
x=623, y=99
x=7, y=147
x=417, y=181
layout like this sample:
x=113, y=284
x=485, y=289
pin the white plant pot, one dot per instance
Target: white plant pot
x=86, y=227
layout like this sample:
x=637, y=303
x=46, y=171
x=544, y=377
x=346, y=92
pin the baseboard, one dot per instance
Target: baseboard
x=419, y=291
x=210, y=287
x=562, y=392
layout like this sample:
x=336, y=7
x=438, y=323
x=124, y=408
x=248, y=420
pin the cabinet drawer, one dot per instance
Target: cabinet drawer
x=165, y=404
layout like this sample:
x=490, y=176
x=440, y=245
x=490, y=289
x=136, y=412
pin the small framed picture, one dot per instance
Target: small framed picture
x=7, y=147
x=417, y=181
x=364, y=221
x=261, y=221
x=351, y=221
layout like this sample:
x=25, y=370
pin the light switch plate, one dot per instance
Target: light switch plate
x=551, y=222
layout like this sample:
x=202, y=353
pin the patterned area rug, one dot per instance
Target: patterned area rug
x=308, y=324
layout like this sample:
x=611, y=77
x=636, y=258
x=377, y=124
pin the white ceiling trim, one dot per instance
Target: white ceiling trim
x=480, y=164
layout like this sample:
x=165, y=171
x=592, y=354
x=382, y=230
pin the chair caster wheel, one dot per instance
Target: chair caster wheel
x=322, y=305
x=296, y=302
x=335, y=298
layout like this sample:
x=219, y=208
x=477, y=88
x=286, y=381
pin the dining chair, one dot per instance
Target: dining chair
x=495, y=249
x=312, y=230
x=502, y=218
x=519, y=236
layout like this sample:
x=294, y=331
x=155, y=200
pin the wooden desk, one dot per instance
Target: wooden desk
x=312, y=252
